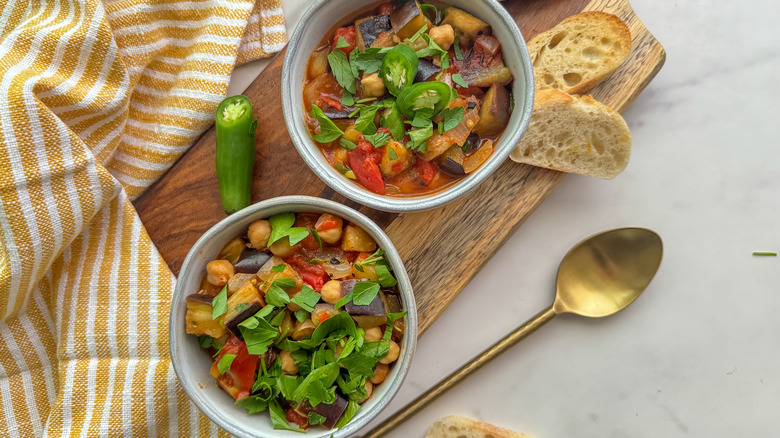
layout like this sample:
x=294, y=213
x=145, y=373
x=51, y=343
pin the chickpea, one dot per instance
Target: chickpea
x=373, y=85
x=443, y=36
x=292, y=306
x=369, y=391
x=258, y=233
x=373, y=334
x=392, y=355
x=331, y=292
x=380, y=374
x=219, y=272
x=330, y=235
x=282, y=247
x=288, y=363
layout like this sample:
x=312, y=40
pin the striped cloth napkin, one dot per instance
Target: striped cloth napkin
x=97, y=101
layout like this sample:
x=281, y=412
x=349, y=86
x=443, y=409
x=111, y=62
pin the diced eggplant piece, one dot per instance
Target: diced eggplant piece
x=426, y=70
x=404, y=157
x=236, y=281
x=303, y=329
x=472, y=143
x=408, y=19
x=198, y=318
x=232, y=250
x=466, y=26
x=371, y=315
x=494, y=112
x=356, y=239
x=369, y=28
x=251, y=261
x=393, y=303
x=241, y=305
x=451, y=162
x=486, y=76
x=332, y=412
x=332, y=113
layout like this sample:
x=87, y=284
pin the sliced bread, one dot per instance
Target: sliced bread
x=577, y=54
x=462, y=427
x=575, y=134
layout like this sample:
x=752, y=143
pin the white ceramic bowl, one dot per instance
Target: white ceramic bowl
x=192, y=364
x=321, y=17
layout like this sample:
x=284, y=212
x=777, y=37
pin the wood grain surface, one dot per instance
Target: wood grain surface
x=185, y=202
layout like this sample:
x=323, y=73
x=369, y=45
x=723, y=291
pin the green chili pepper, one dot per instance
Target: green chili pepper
x=399, y=67
x=432, y=95
x=236, y=127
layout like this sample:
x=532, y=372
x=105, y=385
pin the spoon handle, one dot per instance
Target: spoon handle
x=462, y=373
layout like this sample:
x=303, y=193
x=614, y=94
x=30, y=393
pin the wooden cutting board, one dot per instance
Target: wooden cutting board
x=442, y=249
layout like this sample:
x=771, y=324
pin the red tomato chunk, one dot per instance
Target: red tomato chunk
x=348, y=33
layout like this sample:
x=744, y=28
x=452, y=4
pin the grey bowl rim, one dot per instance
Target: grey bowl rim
x=305, y=145
x=315, y=204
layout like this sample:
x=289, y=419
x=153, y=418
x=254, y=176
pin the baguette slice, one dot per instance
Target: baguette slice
x=578, y=53
x=575, y=134
x=462, y=427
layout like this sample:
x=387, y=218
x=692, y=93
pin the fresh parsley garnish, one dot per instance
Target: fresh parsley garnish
x=391, y=317
x=378, y=139
x=458, y=53
x=315, y=418
x=362, y=294
x=391, y=153
x=452, y=118
x=279, y=268
x=419, y=136
x=347, y=98
x=328, y=130
x=219, y=304
x=282, y=225
x=348, y=414
x=386, y=279
x=278, y=418
x=224, y=363
x=307, y=298
x=346, y=144
x=342, y=70
x=370, y=61
x=316, y=237
x=276, y=296
x=458, y=79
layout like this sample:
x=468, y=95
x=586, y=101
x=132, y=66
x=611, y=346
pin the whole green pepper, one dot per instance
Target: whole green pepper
x=236, y=127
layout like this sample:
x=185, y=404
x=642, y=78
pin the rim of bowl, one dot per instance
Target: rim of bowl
x=309, y=151
x=299, y=203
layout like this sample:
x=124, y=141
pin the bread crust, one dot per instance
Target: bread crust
x=560, y=60
x=456, y=426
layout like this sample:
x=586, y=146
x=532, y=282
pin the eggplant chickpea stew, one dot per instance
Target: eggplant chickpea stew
x=409, y=98
x=303, y=318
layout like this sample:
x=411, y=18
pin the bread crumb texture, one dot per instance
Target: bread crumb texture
x=462, y=427
x=575, y=134
x=578, y=53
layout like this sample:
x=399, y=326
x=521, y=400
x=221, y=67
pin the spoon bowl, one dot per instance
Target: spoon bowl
x=606, y=272
x=597, y=277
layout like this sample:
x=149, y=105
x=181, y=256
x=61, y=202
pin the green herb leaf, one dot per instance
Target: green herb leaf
x=379, y=139
x=393, y=121
x=391, y=153
x=458, y=79
x=340, y=321
x=297, y=234
x=341, y=43
x=346, y=144
x=328, y=130
x=205, y=341
x=458, y=53
x=288, y=385
x=276, y=321
x=347, y=98
x=386, y=279
x=318, y=393
x=315, y=418
x=369, y=61
x=364, y=292
x=316, y=237
x=278, y=418
x=219, y=304
x=282, y=222
x=365, y=123
x=240, y=307
x=341, y=68
x=279, y=268
x=276, y=296
x=258, y=334
x=301, y=315
x=325, y=375
x=348, y=414
x=445, y=62
x=359, y=364
x=452, y=117
x=224, y=363
x=391, y=317
x=417, y=34
x=253, y=404
x=307, y=298
x=419, y=136
x=422, y=118
x=433, y=49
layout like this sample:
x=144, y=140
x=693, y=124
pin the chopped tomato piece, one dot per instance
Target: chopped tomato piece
x=335, y=104
x=296, y=418
x=323, y=316
x=365, y=165
x=240, y=377
x=328, y=224
x=426, y=169
x=348, y=33
x=314, y=280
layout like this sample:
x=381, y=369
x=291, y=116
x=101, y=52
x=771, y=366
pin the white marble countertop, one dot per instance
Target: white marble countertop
x=698, y=353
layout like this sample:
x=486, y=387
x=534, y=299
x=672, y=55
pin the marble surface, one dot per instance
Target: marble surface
x=699, y=353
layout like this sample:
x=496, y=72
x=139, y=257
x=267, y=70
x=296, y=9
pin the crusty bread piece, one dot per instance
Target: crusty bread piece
x=462, y=427
x=578, y=53
x=576, y=134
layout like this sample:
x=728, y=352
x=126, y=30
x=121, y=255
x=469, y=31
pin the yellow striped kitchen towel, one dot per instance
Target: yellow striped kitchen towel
x=97, y=101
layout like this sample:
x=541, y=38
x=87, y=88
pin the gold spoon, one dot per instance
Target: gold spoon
x=598, y=277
